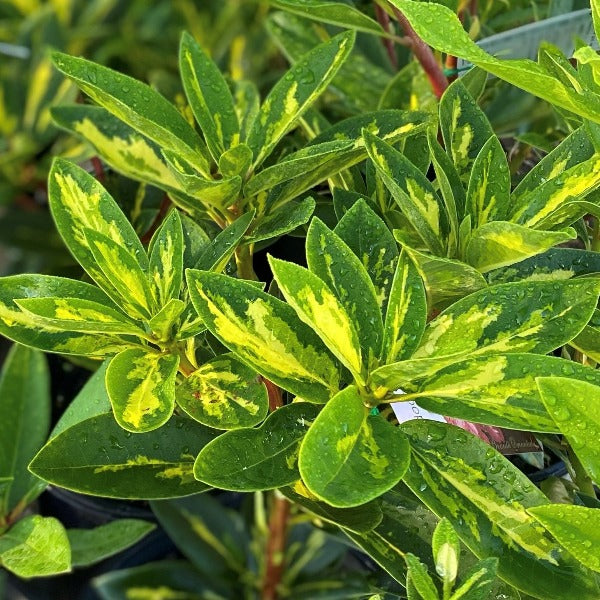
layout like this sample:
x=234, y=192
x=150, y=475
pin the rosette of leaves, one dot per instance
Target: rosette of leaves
x=468, y=223
x=228, y=169
x=32, y=545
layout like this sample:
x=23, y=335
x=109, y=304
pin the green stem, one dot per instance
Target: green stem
x=582, y=480
x=244, y=263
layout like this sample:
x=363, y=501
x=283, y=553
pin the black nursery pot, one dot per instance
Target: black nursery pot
x=85, y=512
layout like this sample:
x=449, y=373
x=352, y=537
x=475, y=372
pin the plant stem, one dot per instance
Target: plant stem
x=243, y=260
x=278, y=522
x=160, y=216
x=424, y=55
x=582, y=480
x=384, y=20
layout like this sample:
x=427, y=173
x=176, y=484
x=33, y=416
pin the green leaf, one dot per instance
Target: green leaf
x=141, y=388
x=209, y=97
x=588, y=341
x=488, y=195
x=407, y=526
x=18, y=326
x=295, y=92
x=318, y=307
x=89, y=546
x=217, y=254
x=478, y=582
x=75, y=314
x=358, y=519
x=420, y=578
x=247, y=105
x=532, y=208
x=265, y=333
x=497, y=390
x=212, y=537
x=367, y=235
x=283, y=220
x=91, y=401
x=166, y=259
x=568, y=402
x=225, y=394
x=138, y=105
x=121, y=146
x=167, y=579
x=98, y=457
x=203, y=190
x=162, y=323
x=412, y=192
x=350, y=456
x=577, y=528
x=464, y=126
x=406, y=313
x=462, y=478
x=534, y=316
x=128, y=283
x=334, y=13
x=445, y=279
x=25, y=409
x=78, y=203
x=255, y=459
x=439, y=27
x=332, y=260
x=500, y=244
x=446, y=550
x=36, y=546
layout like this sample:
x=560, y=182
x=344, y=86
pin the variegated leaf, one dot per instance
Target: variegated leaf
x=265, y=333
x=530, y=76
x=318, y=307
x=209, y=97
x=17, y=326
x=128, y=283
x=295, y=92
x=577, y=528
x=464, y=126
x=283, y=220
x=367, y=235
x=358, y=519
x=406, y=313
x=501, y=243
x=413, y=193
x=556, y=264
x=195, y=241
x=162, y=323
x=255, y=459
x=532, y=208
x=575, y=406
x=497, y=390
x=485, y=497
x=588, y=340
x=217, y=254
x=246, y=104
x=76, y=314
x=212, y=192
x=35, y=546
x=445, y=279
x=26, y=406
x=419, y=579
x=121, y=146
x=166, y=259
x=141, y=388
x=98, y=457
x=512, y=317
x=225, y=394
x=350, y=456
x=78, y=202
x=574, y=149
x=138, y=105
x=334, y=13
x=479, y=582
x=332, y=260
x=235, y=161
x=488, y=194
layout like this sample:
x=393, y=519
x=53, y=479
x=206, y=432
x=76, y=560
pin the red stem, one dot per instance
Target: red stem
x=278, y=521
x=424, y=55
x=384, y=20
x=162, y=213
